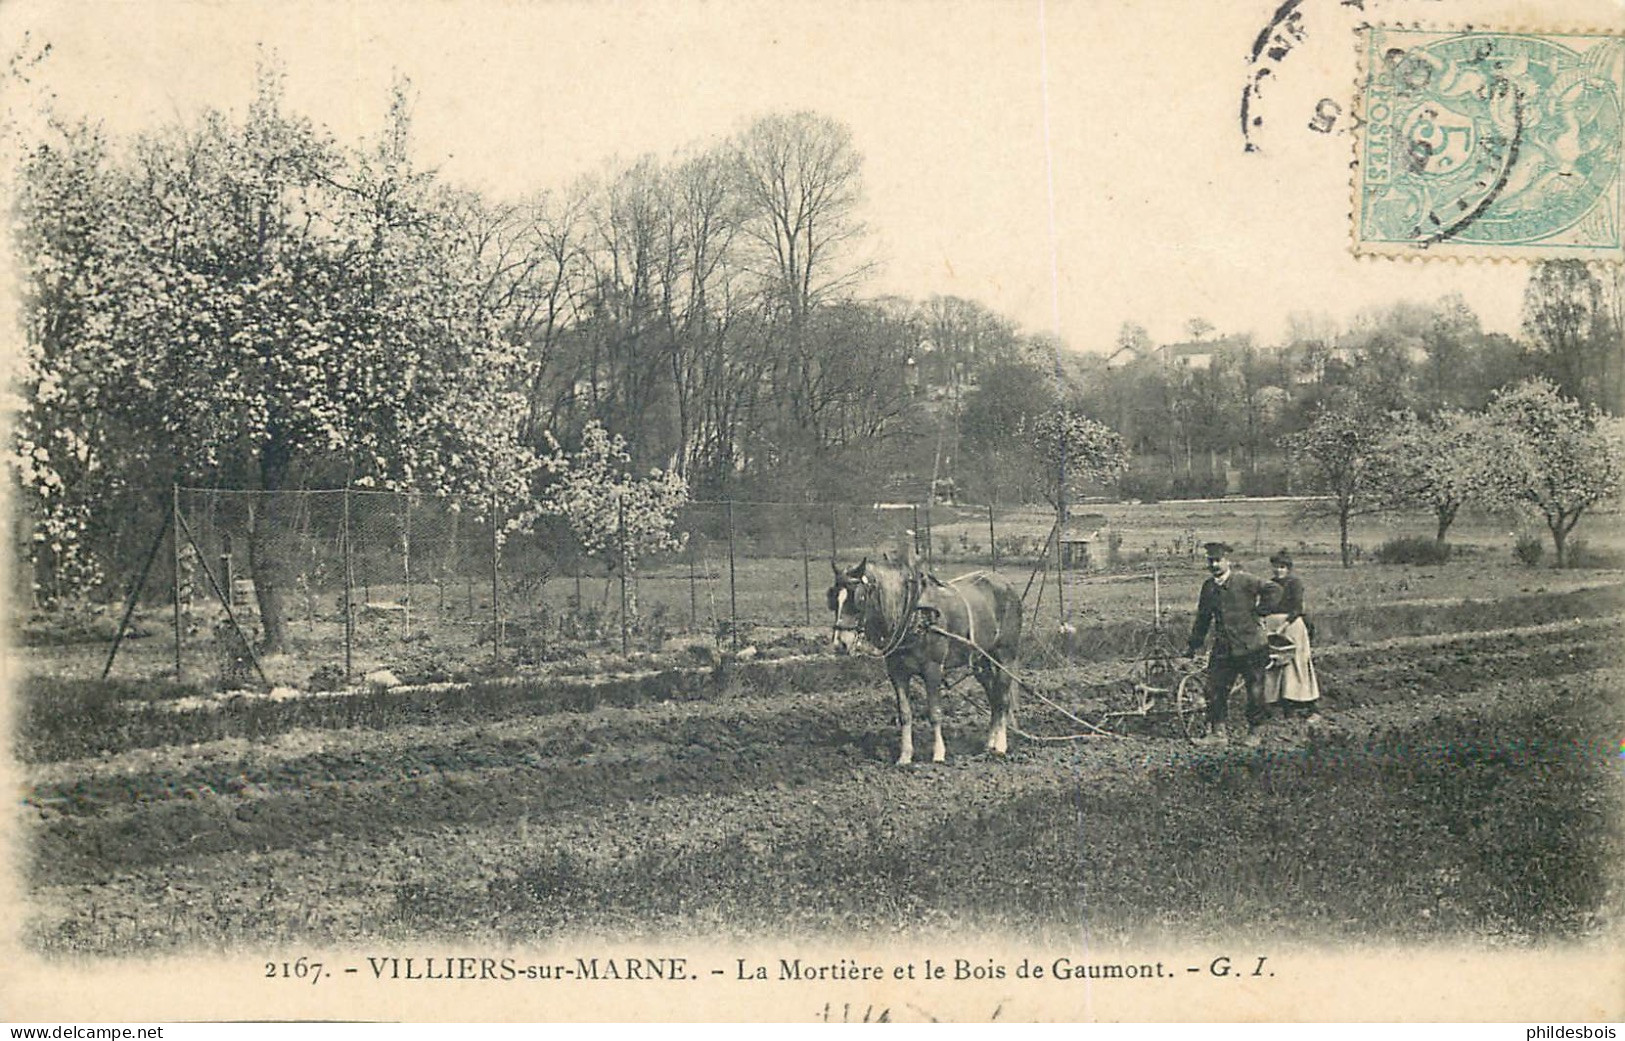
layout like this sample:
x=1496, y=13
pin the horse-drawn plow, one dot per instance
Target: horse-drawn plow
x=1158, y=692
x=1161, y=692
x=939, y=632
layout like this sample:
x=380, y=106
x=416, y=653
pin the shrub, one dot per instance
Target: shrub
x=1412, y=549
x=234, y=659
x=326, y=677
x=1266, y=480
x=1146, y=487
x=1197, y=486
x=1580, y=553
x=1529, y=549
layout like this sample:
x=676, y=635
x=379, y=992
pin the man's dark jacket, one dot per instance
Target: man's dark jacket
x=1232, y=611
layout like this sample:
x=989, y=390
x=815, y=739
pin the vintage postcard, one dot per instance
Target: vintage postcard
x=1042, y=511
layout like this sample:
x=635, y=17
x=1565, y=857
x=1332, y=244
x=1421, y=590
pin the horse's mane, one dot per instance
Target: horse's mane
x=891, y=584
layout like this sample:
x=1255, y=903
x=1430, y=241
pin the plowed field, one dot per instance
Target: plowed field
x=1463, y=785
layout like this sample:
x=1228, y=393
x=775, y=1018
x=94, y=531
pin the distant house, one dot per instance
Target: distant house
x=1123, y=357
x=1197, y=354
x=1077, y=535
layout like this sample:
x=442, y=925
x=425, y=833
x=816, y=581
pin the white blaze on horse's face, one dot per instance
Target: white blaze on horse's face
x=844, y=640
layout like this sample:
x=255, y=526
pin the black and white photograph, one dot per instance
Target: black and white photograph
x=535, y=511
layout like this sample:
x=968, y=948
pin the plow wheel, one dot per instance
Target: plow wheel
x=1190, y=705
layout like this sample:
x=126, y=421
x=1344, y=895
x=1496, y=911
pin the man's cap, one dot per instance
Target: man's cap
x=1281, y=558
x=1218, y=549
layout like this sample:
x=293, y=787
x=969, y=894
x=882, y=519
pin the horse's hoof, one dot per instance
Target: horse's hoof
x=905, y=762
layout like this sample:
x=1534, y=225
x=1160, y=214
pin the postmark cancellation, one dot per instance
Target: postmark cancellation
x=1489, y=144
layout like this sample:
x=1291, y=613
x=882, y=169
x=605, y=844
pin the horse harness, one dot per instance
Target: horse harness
x=913, y=585
x=916, y=620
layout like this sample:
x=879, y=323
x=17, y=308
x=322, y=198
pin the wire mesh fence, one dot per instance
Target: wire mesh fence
x=316, y=589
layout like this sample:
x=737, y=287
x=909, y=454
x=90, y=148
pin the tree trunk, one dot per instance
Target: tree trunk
x=1560, y=536
x=1446, y=515
x=1343, y=536
x=264, y=560
x=267, y=572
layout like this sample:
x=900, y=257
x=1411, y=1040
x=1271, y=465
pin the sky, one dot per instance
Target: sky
x=1071, y=165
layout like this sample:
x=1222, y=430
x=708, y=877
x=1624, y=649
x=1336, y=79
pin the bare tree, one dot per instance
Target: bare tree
x=800, y=182
x=528, y=261
x=1451, y=335
x=703, y=226
x=623, y=337
x=1565, y=315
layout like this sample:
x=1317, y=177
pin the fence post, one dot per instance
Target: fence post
x=930, y=539
x=992, y=539
x=626, y=631
x=175, y=533
x=693, y=585
x=349, y=593
x=496, y=570
x=406, y=558
x=806, y=567
x=1060, y=571
x=225, y=601
x=135, y=595
x=227, y=575
x=733, y=598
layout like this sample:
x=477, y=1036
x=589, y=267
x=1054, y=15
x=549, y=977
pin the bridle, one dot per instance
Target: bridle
x=912, y=587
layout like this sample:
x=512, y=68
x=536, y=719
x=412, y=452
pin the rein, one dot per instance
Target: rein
x=1090, y=729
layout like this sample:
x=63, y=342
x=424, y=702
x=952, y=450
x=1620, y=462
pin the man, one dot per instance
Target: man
x=1228, y=605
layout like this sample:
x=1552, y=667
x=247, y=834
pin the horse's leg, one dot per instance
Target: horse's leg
x=1007, y=648
x=1007, y=709
x=905, y=716
x=1001, y=715
x=990, y=682
x=932, y=674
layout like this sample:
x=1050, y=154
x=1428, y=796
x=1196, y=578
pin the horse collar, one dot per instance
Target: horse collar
x=913, y=586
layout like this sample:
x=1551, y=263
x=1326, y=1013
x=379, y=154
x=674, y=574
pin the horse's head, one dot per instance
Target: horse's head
x=849, y=598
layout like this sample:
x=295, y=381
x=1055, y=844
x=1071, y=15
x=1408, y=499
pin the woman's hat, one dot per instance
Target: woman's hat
x=1281, y=558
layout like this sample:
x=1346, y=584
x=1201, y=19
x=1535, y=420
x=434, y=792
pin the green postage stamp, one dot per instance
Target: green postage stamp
x=1490, y=144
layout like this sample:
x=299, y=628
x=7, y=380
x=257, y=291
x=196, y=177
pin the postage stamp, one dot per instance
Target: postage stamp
x=1489, y=144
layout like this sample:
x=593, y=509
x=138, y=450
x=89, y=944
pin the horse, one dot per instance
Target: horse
x=904, y=613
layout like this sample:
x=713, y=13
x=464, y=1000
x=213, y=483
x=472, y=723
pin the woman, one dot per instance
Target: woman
x=1289, y=680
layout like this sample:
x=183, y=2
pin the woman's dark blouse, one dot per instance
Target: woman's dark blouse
x=1291, y=596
